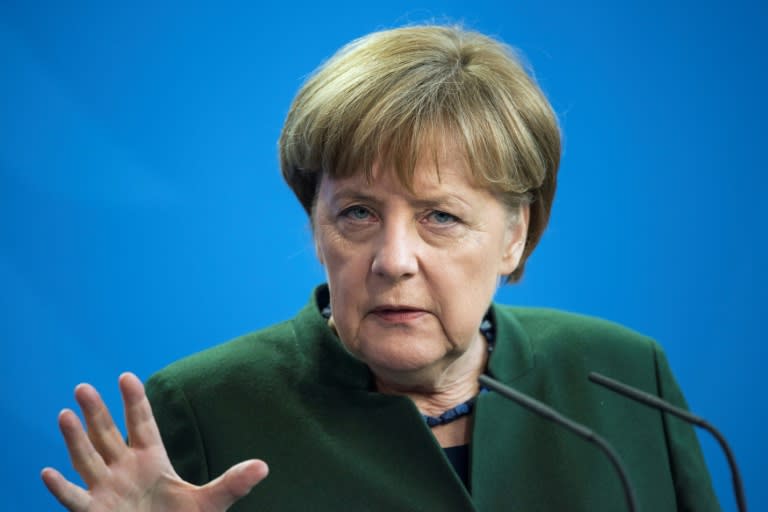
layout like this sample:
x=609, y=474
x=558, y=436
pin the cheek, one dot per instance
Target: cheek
x=472, y=265
x=346, y=272
x=330, y=242
x=345, y=268
x=466, y=284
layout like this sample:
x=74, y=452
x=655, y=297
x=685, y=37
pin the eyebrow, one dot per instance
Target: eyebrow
x=434, y=202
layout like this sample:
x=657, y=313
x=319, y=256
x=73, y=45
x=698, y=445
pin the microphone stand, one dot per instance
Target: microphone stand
x=580, y=430
x=656, y=402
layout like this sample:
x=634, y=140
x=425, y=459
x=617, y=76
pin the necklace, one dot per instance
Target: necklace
x=463, y=409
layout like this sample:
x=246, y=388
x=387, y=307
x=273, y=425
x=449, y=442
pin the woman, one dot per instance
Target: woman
x=426, y=159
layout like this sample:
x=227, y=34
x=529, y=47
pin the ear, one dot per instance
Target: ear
x=514, y=244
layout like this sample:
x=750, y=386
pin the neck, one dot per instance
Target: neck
x=434, y=391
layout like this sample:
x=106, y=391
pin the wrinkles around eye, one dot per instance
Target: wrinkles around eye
x=441, y=218
x=357, y=213
x=361, y=216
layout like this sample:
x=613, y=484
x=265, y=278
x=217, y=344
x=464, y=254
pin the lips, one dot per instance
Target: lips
x=395, y=313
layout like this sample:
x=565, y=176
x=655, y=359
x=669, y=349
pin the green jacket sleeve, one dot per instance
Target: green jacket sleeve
x=178, y=427
x=689, y=470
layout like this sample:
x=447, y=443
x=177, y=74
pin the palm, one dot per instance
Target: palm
x=139, y=477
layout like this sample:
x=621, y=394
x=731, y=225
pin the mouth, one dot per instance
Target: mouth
x=393, y=313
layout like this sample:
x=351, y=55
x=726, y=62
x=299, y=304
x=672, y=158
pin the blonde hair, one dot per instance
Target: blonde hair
x=393, y=96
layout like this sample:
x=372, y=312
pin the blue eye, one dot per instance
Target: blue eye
x=439, y=217
x=356, y=213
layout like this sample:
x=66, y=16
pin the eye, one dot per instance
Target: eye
x=442, y=218
x=356, y=212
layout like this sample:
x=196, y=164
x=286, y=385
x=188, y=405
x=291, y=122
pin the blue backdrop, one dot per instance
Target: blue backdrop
x=142, y=215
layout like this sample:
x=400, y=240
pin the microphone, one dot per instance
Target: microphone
x=658, y=403
x=580, y=430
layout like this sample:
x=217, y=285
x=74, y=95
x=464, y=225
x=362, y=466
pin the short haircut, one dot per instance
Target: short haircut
x=393, y=96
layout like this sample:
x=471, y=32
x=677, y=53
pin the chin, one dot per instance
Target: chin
x=403, y=362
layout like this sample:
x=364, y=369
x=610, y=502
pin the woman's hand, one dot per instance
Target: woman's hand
x=139, y=477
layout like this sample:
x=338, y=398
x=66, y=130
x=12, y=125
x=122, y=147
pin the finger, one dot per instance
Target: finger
x=235, y=483
x=142, y=429
x=102, y=431
x=85, y=459
x=68, y=494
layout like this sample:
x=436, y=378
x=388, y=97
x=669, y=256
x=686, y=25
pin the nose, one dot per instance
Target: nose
x=395, y=255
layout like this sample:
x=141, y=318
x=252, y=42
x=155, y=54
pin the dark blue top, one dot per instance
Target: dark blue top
x=459, y=457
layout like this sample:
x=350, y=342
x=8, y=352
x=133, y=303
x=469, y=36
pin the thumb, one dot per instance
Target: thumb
x=235, y=483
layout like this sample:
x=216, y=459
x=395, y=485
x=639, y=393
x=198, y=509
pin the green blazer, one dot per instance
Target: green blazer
x=294, y=397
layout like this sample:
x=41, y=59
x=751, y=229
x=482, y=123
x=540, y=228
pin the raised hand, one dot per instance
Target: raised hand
x=136, y=477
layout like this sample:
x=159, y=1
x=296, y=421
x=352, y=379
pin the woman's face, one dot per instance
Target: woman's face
x=412, y=274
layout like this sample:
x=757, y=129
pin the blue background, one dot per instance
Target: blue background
x=143, y=218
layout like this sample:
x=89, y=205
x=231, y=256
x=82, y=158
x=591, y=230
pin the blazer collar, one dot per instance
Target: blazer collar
x=513, y=355
x=325, y=359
